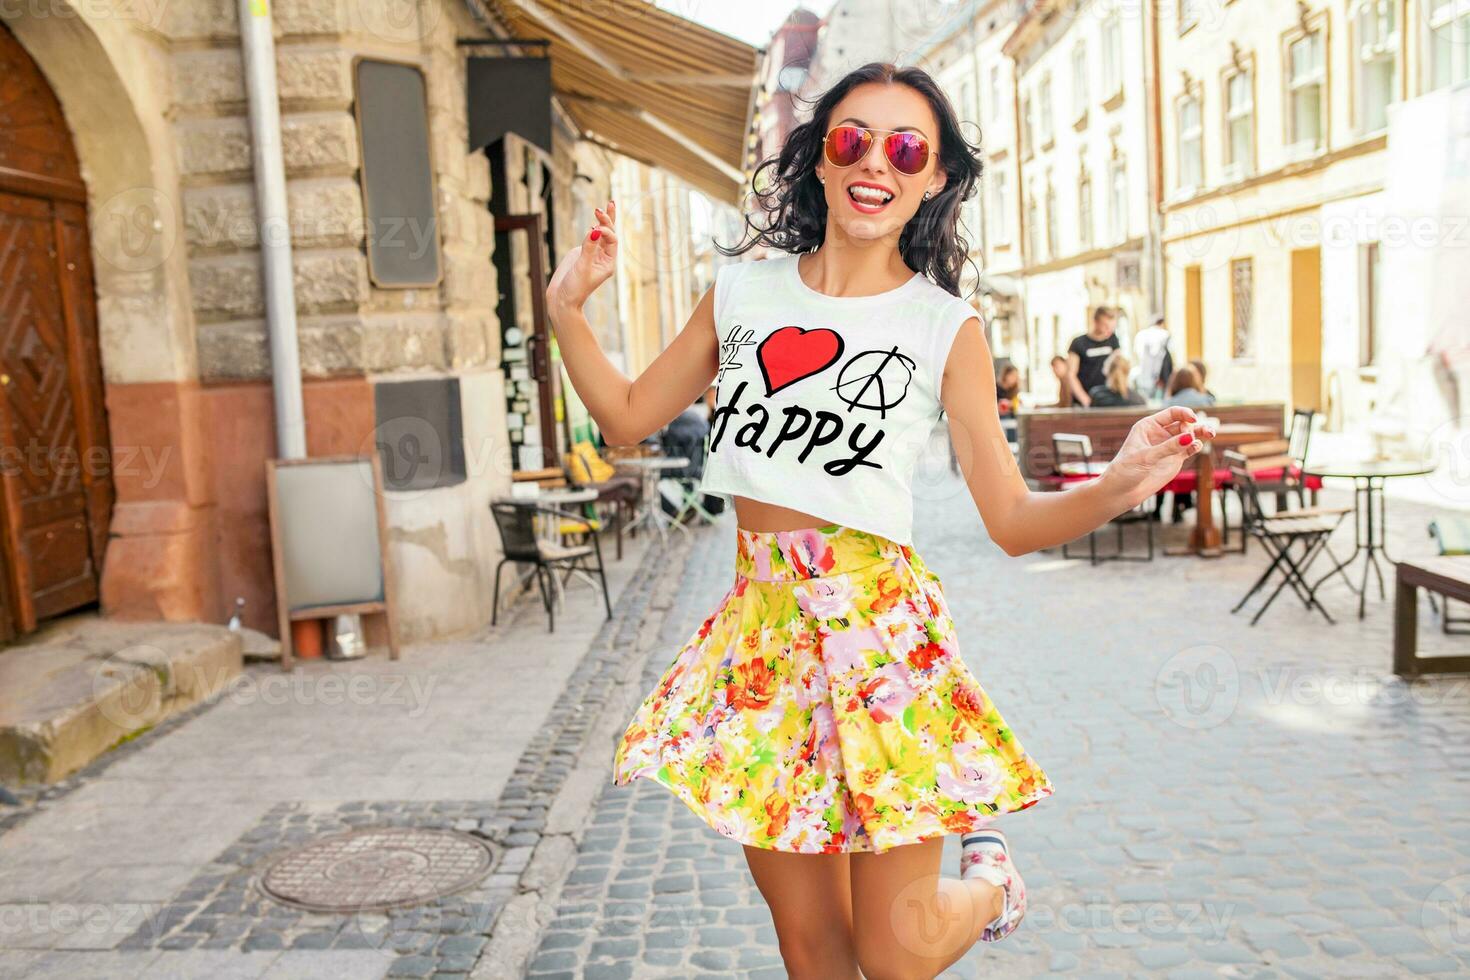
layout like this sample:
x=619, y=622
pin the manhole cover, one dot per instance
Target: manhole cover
x=371, y=869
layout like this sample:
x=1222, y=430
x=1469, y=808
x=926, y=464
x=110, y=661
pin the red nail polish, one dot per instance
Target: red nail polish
x=1186, y=439
x=595, y=235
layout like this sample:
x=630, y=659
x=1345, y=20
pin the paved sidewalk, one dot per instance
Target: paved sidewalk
x=1230, y=801
x=144, y=863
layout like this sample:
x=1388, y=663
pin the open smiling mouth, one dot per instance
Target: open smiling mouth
x=868, y=198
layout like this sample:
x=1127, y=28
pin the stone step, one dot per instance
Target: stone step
x=83, y=685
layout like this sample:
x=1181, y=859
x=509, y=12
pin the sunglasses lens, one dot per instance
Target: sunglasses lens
x=908, y=152
x=846, y=145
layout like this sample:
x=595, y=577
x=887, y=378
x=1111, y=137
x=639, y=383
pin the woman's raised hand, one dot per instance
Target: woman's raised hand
x=587, y=266
x=1154, y=452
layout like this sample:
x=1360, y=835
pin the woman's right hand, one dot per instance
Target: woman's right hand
x=587, y=266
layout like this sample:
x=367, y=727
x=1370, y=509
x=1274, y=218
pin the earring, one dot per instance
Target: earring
x=821, y=180
x=926, y=194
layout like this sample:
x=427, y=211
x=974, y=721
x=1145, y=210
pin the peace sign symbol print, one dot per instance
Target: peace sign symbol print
x=875, y=379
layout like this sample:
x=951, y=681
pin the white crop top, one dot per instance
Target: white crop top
x=824, y=403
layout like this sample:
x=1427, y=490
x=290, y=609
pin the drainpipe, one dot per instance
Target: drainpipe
x=259, y=51
x=1154, y=130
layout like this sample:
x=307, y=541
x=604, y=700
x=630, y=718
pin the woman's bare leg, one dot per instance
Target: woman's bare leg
x=810, y=897
x=908, y=920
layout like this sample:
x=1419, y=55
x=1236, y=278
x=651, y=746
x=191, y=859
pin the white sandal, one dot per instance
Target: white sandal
x=985, y=854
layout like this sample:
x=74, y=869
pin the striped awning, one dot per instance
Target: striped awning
x=649, y=84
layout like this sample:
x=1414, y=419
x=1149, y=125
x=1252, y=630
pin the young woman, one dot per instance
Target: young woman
x=1116, y=389
x=822, y=715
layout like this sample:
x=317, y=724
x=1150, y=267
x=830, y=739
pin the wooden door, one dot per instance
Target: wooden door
x=1306, y=328
x=1194, y=315
x=55, y=467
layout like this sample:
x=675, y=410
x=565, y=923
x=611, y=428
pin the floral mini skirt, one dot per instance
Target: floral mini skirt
x=823, y=706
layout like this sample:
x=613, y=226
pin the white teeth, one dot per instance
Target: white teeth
x=869, y=195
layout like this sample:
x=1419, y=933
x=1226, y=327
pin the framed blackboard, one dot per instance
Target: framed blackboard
x=397, y=174
x=329, y=545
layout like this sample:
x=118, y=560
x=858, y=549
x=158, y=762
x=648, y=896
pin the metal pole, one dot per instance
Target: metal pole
x=259, y=52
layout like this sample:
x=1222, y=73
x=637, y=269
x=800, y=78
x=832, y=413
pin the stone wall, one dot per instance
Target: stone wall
x=347, y=325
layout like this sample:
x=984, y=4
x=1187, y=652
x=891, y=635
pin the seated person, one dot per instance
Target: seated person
x=1007, y=387
x=1063, y=371
x=1186, y=388
x=1199, y=369
x=685, y=436
x=1115, y=389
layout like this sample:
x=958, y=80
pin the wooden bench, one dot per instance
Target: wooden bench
x=1450, y=577
x=1108, y=427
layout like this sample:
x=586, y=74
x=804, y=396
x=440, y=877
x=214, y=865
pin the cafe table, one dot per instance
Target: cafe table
x=652, y=513
x=1368, y=476
x=1204, y=538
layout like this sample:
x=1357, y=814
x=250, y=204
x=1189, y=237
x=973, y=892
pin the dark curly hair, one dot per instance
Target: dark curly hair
x=790, y=215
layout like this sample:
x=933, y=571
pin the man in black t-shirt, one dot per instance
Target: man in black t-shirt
x=1086, y=354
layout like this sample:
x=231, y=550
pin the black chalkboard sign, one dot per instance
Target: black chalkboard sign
x=397, y=175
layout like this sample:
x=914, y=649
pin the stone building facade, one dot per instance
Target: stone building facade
x=153, y=101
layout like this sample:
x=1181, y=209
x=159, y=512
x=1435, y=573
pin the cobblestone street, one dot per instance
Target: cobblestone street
x=1230, y=800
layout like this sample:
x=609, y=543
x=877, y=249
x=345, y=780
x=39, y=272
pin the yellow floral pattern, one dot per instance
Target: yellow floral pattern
x=823, y=706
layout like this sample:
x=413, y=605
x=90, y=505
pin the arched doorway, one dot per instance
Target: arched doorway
x=56, y=489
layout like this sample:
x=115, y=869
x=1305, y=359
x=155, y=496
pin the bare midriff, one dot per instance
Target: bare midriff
x=757, y=515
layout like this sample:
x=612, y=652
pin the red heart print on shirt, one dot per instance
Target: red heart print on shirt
x=791, y=353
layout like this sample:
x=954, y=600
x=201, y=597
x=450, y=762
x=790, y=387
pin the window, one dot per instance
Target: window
x=1118, y=201
x=1112, y=54
x=1305, y=84
x=1449, y=42
x=1000, y=200
x=1242, y=340
x=995, y=92
x=1376, y=22
x=1084, y=211
x=1191, y=142
x=966, y=109
x=1372, y=333
x=1079, y=81
x=1025, y=125
x=1051, y=218
x=1044, y=107
x=1239, y=123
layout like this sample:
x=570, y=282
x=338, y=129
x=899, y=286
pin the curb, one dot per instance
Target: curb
x=620, y=647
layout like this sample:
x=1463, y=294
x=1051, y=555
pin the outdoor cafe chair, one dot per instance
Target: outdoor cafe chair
x=1280, y=533
x=1278, y=465
x=523, y=544
x=1074, y=463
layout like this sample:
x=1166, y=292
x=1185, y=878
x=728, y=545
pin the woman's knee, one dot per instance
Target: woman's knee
x=812, y=951
x=886, y=961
